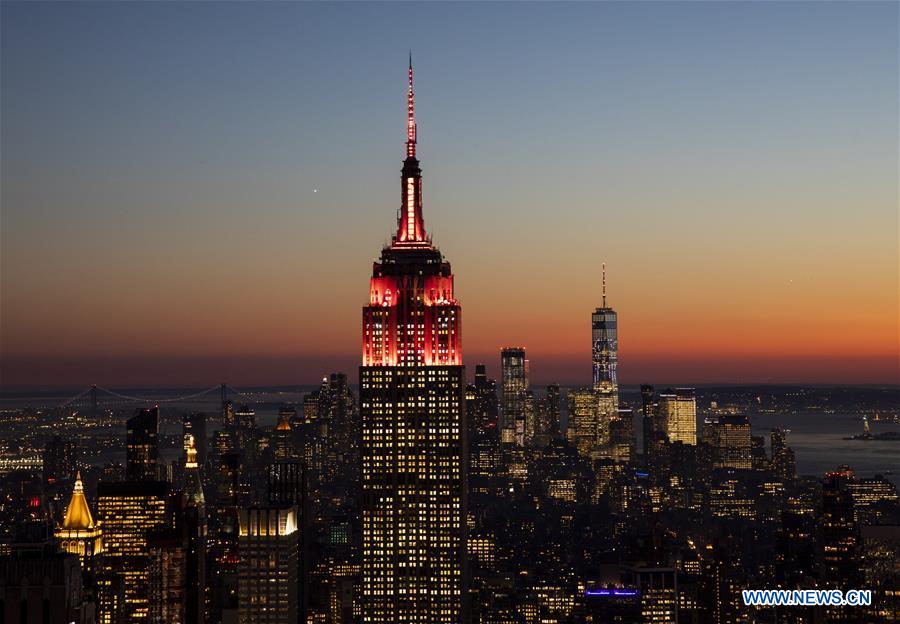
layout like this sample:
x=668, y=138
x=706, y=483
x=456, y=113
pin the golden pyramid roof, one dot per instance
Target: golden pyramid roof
x=283, y=424
x=78, y=515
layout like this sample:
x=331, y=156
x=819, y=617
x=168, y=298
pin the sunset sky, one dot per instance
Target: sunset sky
x=195, y=192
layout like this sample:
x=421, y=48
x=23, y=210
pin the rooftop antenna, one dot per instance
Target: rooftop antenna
x=410, y=115
x=604, y=284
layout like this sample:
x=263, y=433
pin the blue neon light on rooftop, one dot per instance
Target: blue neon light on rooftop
x=623, y=593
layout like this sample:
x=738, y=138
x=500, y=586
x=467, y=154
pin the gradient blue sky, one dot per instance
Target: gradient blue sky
x=734, y=164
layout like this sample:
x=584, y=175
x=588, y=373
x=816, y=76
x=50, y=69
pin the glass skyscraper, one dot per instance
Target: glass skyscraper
x=604, y=355
x=514, y=385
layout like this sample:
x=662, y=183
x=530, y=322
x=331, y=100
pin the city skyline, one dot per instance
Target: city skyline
x=214, y=233
x=694, y=193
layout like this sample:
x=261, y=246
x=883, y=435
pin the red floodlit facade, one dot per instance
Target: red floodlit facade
x=412, y=318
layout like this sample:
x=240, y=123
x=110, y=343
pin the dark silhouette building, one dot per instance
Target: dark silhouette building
x=42, y=585
x=142, y=450
x=513, y=393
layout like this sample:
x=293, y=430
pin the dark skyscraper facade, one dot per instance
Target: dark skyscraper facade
x=340, y=418
x=553, y=410
x=484, y=435
x=784, y=464
x=142, y=451
x=513, y=388
x=648, y=424
x=412, y=386
x=60, y=460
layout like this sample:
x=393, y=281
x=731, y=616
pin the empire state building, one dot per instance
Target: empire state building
x=412, y=399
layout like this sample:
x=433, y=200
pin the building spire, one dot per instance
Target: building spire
x=411, y=115
x=604, y=284
x=410, y=223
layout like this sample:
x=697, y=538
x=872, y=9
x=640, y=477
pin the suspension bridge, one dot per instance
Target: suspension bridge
x=97, y=396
